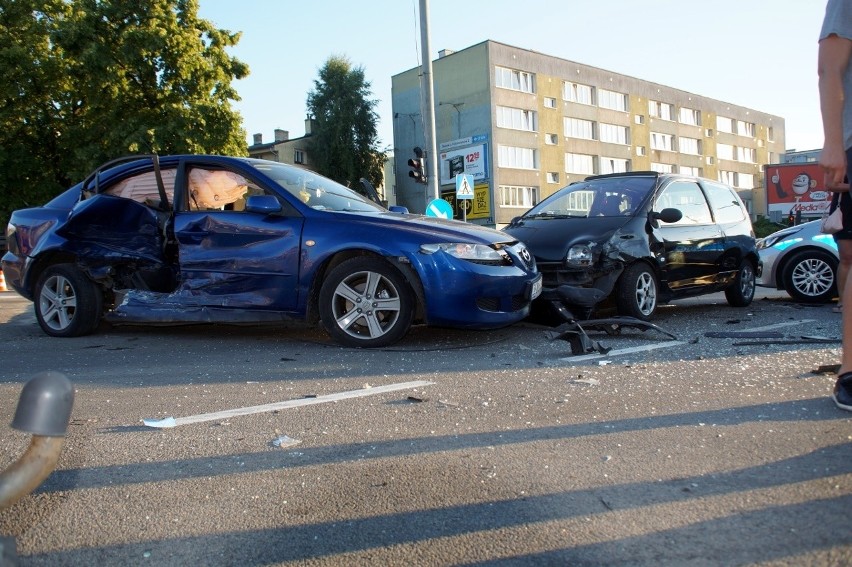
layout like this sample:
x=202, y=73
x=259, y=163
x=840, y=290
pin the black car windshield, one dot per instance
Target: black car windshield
x=314, y=190
x=603, y=197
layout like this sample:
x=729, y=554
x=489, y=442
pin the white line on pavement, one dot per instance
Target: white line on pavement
x=174, y=422
x=617, y=352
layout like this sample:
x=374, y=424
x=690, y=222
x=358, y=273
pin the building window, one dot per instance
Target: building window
x=708, y=132
x=690, y=146
x=662, y=167
x=690, y=116
x=518, y=197
x=517, y=118
x=553, y=177
x=612, y=133
x=551, y=139
x=639, y=118
x=736, y=179
x=579, y=163
x=549, y=102
x=661, y=110
x=724, y=124
x=686, y=170
x=575, y=92
x=517, y=158
x=613, y=165
x=745, y=128
x=747, y=155
x=725, y=151
x=662, y=141
x=298, y=156
x=612, y=100
x=640, y=150
x=578, y=128
x=710, y=160
x=770, y=135
x=515, y=80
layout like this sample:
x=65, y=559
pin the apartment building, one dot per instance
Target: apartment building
x=525, y=124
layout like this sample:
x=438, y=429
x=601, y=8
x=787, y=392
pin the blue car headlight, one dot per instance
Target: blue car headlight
x=479, y=253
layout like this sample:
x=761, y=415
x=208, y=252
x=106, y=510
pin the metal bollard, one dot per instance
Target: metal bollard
x=44, y=410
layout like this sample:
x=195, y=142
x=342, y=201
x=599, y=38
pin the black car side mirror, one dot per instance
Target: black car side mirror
x=667, y=215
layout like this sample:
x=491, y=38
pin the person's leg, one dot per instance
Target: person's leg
x=842, y=394
x=844, y=251
x=843, y=387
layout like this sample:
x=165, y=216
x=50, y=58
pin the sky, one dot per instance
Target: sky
x=753, y=53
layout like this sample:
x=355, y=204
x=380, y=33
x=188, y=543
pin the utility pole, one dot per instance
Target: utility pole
x=429, y=107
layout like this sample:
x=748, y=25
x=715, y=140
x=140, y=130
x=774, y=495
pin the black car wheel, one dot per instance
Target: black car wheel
x=741, y=292
x=810, y=276
x=365, y=302
x=67, y=303
x=636, y=293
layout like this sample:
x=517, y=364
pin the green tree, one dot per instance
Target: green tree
x=344, y=139
x=86, y=81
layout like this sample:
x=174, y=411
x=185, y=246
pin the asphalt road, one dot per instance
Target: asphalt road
x=452, y=447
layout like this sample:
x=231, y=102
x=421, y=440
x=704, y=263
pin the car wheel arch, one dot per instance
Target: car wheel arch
x=41, y=263
x=781, y=265
x=312, y=313
x=625, y=291
x=809, y=254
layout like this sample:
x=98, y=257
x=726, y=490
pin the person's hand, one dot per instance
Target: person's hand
x=833, y=162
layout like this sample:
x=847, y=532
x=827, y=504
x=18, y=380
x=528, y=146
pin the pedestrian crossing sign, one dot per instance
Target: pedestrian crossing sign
x=464, y=186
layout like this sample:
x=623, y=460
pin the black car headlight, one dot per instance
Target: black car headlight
x=580, y=256
x=479, y=253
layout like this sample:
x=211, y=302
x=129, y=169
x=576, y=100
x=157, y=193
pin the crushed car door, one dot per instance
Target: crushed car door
x=688, y=251
x=231, y=257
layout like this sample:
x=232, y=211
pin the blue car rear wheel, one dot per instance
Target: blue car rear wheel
x=67, y=303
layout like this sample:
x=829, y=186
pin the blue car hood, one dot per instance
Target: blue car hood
x=550, y=238
x=441, y=230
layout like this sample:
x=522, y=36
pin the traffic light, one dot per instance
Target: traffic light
x=418, y=166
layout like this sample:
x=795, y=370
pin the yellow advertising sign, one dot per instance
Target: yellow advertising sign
x=477, y=208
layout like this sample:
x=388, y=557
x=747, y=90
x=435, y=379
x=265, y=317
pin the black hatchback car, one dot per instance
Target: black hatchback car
x=635, y=240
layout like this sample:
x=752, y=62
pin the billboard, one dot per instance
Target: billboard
x=466, y=155
x=793, y=187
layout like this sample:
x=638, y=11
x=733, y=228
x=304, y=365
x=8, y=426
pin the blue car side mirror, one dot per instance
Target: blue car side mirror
x=264, y=204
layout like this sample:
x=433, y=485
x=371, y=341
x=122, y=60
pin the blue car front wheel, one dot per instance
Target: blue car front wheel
x=366, y=302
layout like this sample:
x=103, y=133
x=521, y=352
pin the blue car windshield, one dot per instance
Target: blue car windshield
x=604, y=197
x=314, y=190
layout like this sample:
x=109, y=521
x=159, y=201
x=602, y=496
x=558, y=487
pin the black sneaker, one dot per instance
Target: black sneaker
x=842, y=395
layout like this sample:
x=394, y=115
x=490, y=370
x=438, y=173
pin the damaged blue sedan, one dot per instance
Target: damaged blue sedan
x=214, y=239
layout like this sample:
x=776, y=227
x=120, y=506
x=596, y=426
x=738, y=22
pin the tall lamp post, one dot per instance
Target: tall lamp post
x=428, y=107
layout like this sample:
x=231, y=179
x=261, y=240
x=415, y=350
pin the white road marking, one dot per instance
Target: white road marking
x=617, y=352
x=174, y=422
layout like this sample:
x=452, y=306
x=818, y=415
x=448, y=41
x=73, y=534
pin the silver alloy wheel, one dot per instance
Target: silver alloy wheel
x=646, y=293
x=812, y=277
x=57, y=302
x=365, y=305
x=747, y=278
